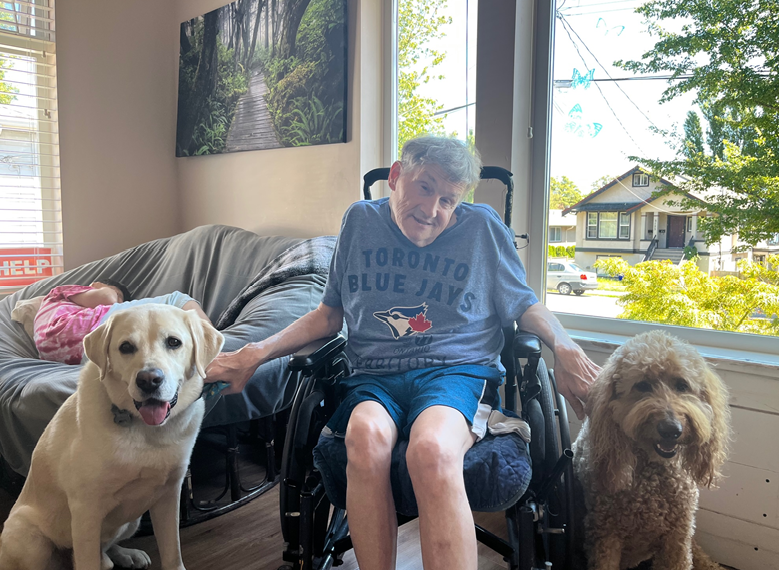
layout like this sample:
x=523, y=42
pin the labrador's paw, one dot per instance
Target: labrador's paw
x=128, y=558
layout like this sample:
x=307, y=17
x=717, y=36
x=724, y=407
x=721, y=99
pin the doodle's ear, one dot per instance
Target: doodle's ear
x=207, y=342
x=705, y=459
x=96, y=347
x=611, y=454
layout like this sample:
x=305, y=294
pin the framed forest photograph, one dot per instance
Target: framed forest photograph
x=261, y=74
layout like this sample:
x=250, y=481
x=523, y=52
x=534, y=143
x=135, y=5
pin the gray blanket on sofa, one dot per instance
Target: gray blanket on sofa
x=213, y=264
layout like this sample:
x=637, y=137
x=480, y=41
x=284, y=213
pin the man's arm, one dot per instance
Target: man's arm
x=574, y=371
x=237, y=367
x=95, y=297
x=195, y=306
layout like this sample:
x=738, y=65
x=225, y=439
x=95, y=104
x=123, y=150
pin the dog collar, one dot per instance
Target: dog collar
x=121, y=417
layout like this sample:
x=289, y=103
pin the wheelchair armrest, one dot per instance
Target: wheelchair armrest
x=316, y=354
x=526, y=345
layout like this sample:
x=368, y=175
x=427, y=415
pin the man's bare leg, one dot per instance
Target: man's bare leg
x=373, y=524
x=439, y=439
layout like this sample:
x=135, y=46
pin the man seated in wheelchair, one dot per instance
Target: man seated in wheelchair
x=425, y=283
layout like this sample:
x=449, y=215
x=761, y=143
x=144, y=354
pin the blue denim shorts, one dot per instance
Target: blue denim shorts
x=470, y=389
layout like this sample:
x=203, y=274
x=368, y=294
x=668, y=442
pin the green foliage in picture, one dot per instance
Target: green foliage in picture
x=306, y=90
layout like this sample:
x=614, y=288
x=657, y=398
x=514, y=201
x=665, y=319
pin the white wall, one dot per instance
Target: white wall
x=292, y=191
x=117, y=123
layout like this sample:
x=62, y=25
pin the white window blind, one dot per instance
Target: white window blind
x=30, y=210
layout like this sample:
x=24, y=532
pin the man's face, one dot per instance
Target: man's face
x=423, y=202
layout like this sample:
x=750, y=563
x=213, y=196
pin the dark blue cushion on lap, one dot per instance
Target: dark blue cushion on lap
x=496, y=471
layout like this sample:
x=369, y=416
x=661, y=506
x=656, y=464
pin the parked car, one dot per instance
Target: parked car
x=566, y=276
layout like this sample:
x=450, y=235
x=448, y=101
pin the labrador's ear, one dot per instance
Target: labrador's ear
x=207, y=342
x=96, y=345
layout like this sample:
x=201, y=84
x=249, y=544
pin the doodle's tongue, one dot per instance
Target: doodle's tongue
x=154, y=412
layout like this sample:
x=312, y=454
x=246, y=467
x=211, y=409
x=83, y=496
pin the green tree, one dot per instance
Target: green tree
x=601, y=182
x=662, y=292
x=693, y=135
x=563, y=193
x=419, y=23
x=725, y=53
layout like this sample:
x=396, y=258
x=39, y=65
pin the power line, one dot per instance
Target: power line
x=576, y=47
x=566, y=23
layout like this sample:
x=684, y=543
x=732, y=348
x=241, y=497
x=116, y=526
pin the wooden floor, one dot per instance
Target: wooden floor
x=249, y=538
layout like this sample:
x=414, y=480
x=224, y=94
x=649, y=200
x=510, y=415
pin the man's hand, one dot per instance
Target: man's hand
x=574, y=373
x=235, y=368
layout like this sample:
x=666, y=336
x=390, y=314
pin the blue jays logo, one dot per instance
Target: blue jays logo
x=405, y=321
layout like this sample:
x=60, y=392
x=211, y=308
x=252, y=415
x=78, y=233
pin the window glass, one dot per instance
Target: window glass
x=624, y=226
x=607, y=225
x=30, y=207
x=555, y=234
x=436, y=68
x=592, y=224
x=634, y=88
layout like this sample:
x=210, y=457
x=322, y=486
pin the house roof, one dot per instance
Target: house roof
x=584, y=204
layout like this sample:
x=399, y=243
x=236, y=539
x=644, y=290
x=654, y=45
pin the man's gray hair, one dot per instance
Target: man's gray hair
x=460, y=164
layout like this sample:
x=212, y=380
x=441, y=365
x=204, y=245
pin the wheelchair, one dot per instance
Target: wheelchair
x=539, y=517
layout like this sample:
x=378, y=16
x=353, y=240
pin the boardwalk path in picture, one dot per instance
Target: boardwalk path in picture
x=252, y=128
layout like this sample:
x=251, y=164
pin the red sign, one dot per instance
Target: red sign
x=24, y=265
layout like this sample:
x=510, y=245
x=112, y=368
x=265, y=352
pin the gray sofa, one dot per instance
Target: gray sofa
x=213, y=264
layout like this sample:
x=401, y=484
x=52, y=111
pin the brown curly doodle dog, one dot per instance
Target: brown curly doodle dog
x=657, y=428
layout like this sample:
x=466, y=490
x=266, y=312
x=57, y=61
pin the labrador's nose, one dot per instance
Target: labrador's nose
x=149, y=380
x=669, y=428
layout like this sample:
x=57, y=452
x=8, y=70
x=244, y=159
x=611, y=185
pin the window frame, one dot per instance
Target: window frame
x=617, y=221
x=640, y=180
x=559, y=231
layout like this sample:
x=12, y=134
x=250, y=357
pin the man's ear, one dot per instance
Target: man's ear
x=96, y=345
x=394, y=174
x=206, y=339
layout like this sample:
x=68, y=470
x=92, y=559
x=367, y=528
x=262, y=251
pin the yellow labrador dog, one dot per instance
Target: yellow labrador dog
x=117, y=447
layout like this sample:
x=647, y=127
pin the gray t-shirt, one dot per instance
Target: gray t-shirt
x=409, y=307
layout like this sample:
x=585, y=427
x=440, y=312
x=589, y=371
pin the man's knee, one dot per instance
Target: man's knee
x=434, y=457
x=369, y=440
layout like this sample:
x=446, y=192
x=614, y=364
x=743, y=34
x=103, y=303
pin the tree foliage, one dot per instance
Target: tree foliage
x=601, y=182
x=419, y=23
x=563, y=193
x=662, y=292
x=726, y=53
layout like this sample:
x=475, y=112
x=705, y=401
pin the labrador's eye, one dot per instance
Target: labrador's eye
x=643, y=387
x=172, y=342
x=127, y=348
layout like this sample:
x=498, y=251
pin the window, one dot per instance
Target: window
x=601, y=114
x=592, y=225
x=608, y=225
x=30, y=217
x=555, y=234
x=435, y=69
x=624, y=226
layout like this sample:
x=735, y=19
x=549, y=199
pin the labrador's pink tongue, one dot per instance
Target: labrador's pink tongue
x=154, y=412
